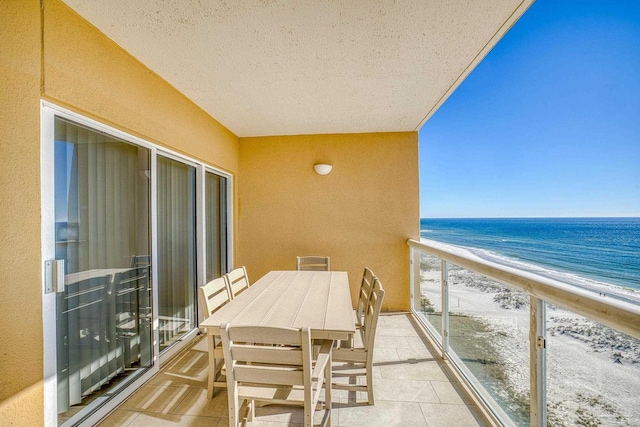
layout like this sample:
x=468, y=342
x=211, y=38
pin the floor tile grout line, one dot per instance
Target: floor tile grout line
x=137, y=414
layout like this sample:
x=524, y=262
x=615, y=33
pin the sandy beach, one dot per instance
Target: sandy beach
x=593, y=372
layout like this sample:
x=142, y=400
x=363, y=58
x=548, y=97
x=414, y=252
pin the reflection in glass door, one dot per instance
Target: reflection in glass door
x=176, y=250
x=103, y=316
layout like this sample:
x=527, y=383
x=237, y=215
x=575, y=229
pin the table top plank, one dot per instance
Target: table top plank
x=293, y=291
x=313, y=309
x=244, y=302
x=339, y=308
x=260, y=301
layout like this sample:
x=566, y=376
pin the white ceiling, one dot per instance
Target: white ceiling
x=276, y=67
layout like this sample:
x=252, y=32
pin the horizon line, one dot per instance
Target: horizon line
x=531, y=217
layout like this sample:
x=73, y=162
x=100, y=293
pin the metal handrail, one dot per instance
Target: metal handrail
x=619, y=315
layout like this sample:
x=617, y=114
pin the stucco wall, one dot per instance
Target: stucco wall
x=80, y=69
x=361, y=214
x=21, y=391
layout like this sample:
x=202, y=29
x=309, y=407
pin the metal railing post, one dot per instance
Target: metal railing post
x=444, y=279
x=538, y=361
x=412, y=278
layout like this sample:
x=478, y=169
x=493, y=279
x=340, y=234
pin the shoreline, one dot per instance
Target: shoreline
x=604, y=290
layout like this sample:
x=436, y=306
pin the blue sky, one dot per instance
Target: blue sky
x=548, y=124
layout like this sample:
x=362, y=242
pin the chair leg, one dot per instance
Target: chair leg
x=308, y=415
x=252, y=410
x=327, y=390
x=370, y=382
x=234, y=408
x=212, y=365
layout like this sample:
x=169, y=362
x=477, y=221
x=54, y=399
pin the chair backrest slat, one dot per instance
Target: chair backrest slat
x=372, y=314
x=214, y=295
x=266, y=355
x=363, y=296
x=273, y=355
x=265, y=335
x=313, y=263
x=256, y=374
x=237, y=280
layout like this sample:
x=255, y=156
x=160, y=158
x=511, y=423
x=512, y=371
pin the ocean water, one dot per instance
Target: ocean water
x=589, y=251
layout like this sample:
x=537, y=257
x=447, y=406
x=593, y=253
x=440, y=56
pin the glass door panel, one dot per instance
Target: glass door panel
x=176, y=250
x=216, y=221
x=103, y=319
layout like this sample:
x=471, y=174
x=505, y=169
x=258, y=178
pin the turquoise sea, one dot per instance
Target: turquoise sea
x=575, y=250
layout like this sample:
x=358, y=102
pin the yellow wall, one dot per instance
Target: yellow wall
x=21, y=392
x=361, y=214
x=80, y=69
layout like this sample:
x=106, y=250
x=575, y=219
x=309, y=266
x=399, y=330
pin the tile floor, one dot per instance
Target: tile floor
x=411, y=389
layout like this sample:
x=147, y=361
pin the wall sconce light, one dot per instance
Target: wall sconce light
x=322, y=168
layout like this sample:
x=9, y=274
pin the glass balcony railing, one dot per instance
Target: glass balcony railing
x=536, y=351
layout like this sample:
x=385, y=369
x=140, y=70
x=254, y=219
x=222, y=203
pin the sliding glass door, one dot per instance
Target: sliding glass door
x=103, y=312
x=129, y=230
x=176, y=250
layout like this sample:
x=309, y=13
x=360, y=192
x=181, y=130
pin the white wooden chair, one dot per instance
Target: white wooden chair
x=363, y=296
x=312, y=263
x=212, y=296
x=237, y=280
x=275, y=365
x=360, y=355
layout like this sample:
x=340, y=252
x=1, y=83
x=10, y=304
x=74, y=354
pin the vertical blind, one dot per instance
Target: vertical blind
x=176, y=249
x=102, y=225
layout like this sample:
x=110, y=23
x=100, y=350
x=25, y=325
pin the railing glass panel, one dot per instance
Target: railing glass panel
x=593, y=372
x=488, y=336
x=429, y=303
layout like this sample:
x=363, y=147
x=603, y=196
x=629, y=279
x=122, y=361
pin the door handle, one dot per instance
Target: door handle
x=54, y=276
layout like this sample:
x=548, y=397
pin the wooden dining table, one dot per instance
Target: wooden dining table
x=320, y=300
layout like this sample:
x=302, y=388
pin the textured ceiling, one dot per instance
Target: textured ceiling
x=308, y=67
